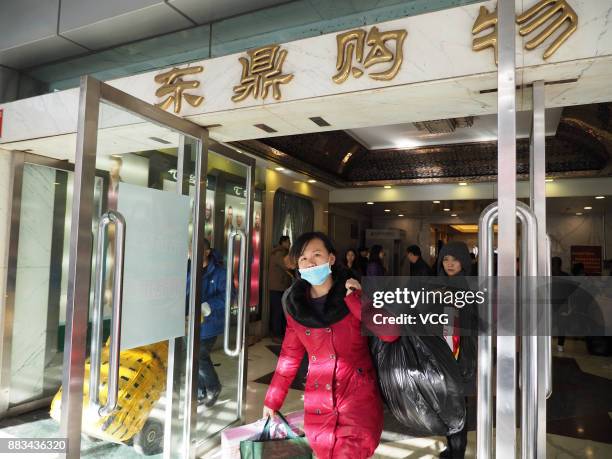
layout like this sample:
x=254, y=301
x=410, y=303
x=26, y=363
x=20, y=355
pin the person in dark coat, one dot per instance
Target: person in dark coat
x=343, y=411
x=212, y=300
x=418, y=266
x=454, y=261
x=279, y=280
x=375, y=266
x=351, y=264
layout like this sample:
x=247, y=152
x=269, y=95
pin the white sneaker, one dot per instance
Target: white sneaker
x=559, y=348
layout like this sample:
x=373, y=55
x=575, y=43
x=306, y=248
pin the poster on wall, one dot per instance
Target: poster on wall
x=235, y=211
x=256, y=250
x=589, y=256
x=209, y=216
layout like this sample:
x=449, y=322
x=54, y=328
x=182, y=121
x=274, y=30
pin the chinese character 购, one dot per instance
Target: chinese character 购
x=351, y=45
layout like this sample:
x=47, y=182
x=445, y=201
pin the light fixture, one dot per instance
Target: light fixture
x=600, y=197
x=549, y=180
x=446, y=209
x=387, y=210
x=297, y=182
x=453, y=215
x=56, y=183
x=436, y=202
x=312, y=181
x=370, y=203
x=587, y=207
x=462, y=183
x=400, y=215
x=579, y=213
x=387, y=187
x=326, y=211
x=279, y=169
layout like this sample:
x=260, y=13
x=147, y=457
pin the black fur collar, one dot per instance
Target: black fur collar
x=296, y=302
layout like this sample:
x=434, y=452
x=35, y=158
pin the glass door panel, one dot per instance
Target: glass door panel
x=129, y=382
x=222, y=355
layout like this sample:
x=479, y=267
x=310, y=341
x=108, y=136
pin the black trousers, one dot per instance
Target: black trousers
x=457, y=442
x=278, y=322
x=208, y=381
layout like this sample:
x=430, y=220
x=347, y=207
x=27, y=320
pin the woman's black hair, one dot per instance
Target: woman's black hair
x=302, y=241
x=355, y=261
x=375, y=254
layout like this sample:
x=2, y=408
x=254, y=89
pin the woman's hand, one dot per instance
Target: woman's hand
x=268, y=412
x=352, y=284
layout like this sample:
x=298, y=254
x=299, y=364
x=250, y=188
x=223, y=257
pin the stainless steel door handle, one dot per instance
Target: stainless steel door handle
x=228, y=291
x=97, y=319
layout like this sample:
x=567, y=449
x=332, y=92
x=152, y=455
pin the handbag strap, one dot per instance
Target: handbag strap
x=265, y=434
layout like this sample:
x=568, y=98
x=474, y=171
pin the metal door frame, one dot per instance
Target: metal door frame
x=18, y=161
x=92, y=93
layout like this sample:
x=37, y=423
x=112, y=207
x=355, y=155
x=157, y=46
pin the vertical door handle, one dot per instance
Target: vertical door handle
x=548, y=320
x=96, y=337
x=228, y=292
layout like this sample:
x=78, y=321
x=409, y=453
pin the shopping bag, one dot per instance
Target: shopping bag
x=421, y=383
x=289, y=446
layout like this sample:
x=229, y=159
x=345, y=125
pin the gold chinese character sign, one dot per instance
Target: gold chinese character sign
x=485, y=20
x=351, y=46
x=174, y=86
x=555, y=12
x=262, y=70
x=562, y=11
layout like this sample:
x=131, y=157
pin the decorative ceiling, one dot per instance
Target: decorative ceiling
x=581, y=147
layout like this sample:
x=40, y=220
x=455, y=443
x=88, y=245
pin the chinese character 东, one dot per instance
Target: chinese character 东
x=174, y=86
x=351, y=45
x=263, y=69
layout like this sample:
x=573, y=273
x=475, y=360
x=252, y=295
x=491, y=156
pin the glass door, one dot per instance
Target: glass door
x=136, y=285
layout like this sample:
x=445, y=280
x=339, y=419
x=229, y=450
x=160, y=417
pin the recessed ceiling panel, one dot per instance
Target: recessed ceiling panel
x=483, y=129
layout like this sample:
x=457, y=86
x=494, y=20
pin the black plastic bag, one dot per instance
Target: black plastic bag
x=421, y=383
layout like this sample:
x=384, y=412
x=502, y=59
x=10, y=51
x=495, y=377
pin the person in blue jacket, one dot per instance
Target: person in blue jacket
x=213, y=322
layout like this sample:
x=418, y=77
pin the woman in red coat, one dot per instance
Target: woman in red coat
x=343, y=413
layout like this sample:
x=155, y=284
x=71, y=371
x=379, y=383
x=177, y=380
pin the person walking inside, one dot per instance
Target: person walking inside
x=375, y=264
x=213, y=322
x=454, y=261
x=343, y=412
x=418, y=266
x=279, y=280
x=351, y=264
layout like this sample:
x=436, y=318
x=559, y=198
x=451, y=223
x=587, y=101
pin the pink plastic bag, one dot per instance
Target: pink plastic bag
x=231, y=438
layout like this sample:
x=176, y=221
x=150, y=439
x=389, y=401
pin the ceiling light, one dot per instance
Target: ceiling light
x=279, y=169
x=453, y=215
x=387, y=210
x=312, y=181
x=462, y=183
x=446, y=209
x=400, y=215
x=600, y=197
x=297, y=182
x=370, y=203
x=549, y=180
x=326, y=211
x=579, y=213
x=587, y=207
x=436, y=202
x=387, y=187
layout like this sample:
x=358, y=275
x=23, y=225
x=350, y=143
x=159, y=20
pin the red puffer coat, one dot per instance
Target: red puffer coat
x=343, y=413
